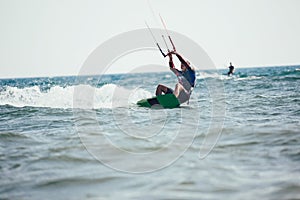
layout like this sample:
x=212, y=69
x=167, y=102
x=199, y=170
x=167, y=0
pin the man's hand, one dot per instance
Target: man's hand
x=175, y=52
x=171, y=52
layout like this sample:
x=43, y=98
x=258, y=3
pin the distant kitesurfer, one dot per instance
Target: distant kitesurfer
x=186, y=79
x=231, y=69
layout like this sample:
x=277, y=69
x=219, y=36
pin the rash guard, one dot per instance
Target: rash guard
x=186, y=78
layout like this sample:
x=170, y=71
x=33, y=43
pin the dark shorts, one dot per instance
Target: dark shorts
x=169, y=91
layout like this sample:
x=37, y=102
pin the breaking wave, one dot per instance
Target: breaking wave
x=107, y=96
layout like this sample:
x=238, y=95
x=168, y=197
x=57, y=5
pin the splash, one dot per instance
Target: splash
x=236, y=77
x=107, y=96
x=206, y=75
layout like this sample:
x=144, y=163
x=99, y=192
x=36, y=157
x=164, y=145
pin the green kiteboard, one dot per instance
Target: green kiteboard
x=166, y=101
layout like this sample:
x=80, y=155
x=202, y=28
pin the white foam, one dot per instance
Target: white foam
x=249, y=78
x=86, y=96
x=204, y=75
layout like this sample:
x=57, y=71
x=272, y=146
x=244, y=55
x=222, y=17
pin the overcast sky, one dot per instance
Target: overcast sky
x=55, y=37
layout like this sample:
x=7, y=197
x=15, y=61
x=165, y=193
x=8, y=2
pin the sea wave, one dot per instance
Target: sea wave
x=238, y=77
x=62, y=97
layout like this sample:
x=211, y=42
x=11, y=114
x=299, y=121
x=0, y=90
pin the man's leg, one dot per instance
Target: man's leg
x=160, y=89
x=181, y=93
x=178, y=89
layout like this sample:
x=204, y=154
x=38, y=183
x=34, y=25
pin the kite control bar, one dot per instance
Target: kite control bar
x=164, y=55
x=174, y=49
x=162, y=21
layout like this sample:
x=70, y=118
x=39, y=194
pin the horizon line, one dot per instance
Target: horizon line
x=120, y=73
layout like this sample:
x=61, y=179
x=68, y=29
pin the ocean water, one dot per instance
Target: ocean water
x=85, y=137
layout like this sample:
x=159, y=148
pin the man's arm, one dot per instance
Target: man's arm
x=182, y=60
x=171, y=64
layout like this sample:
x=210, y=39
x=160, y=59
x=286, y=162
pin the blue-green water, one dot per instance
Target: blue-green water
x=47, y=142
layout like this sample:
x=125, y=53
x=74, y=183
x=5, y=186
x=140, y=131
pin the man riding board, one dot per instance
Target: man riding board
x=186, y=79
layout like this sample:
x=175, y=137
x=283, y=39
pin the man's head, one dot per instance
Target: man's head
x=183, y=67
